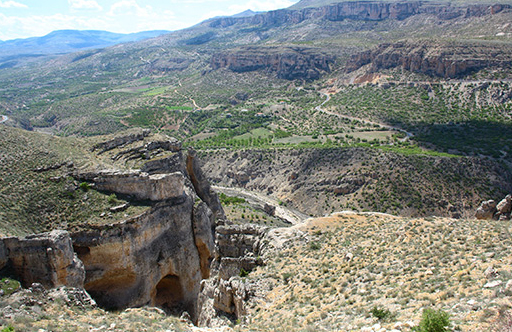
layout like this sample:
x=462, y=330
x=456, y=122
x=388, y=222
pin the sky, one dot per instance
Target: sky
x=31, y=18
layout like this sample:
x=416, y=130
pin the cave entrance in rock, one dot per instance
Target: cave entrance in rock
x=169, y=295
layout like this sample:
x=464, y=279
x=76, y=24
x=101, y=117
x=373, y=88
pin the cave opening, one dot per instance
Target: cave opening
x=169, y=295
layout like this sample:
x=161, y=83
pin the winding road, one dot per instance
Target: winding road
x=288, y=214
x=4, y=118
x=328, y=97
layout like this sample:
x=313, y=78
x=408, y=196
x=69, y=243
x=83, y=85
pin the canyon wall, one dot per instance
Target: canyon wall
x=285, y=62
x=447, y=60
x=46, y=258
x=157, y=258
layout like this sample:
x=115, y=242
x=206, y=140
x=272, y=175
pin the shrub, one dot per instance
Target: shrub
x=381, y=314
x=314, y=246
x=287, y=276
x=112, y=199
x=433, y=321
x=84, y=186
x=243, y=273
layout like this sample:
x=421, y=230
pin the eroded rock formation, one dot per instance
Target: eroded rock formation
x=285, y=62
x=120, y=141
x=46, y=258
x=442, y=60
x=224, y=296
x=157, y=258
x=160, y=257
x=141, y=185
x=490, y=210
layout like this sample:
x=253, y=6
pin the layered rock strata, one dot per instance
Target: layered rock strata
x=157, y=258
x=46, y=258
x=225, y=295
x=362, y=10
x=434, y=59
x=285, y=62
x=160, y=257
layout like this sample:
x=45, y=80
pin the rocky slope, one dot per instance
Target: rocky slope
x=334, y=272
x=320, y=181
x=156, y=258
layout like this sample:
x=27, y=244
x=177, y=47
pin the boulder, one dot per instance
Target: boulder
x=486, y=210
x=504, y=208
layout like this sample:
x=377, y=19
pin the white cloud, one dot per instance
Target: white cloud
x=134, y=17
x=254, y=5
x=130, y=7
x=84, y=4
x=12, y=4
x=12, y=27
x=261, y=5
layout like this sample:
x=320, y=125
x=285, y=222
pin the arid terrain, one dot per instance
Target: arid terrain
x=314, y=168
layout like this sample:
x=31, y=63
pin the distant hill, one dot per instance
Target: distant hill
x=67, y=41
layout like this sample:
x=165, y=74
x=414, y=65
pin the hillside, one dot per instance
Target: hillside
x=17, y=52
x=325, y=180
x=339, y=273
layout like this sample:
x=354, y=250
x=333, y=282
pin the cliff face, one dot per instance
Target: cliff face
x=152, y=259
x=286, y=62
x=46, y=258
x=361, y=10
x=160, y=257
x=157, y=258
x=442, y=60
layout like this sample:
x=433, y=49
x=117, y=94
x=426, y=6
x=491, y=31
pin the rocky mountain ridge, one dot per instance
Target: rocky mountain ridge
x=362, y=10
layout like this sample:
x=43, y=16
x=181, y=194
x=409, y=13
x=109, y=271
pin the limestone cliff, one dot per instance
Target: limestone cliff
x=156, y=258
x=362, y=10
x=160, y=257
x=447, y=60
x=224, y=296
x=284, y=62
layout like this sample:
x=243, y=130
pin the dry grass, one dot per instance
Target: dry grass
x=352, y=263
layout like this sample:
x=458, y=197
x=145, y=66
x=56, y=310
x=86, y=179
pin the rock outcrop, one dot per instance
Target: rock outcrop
x=361, y=10
x=149, y=260
x=141, y=185
x=120, y=141
x=285, y=62
x=490, y=210
x=46, y=258
x=434, y=59
x=224, y=296
x=146, y=150
x=160, y=257
x=157, y=258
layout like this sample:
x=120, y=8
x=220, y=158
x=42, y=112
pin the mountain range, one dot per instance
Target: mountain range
x=67, y=41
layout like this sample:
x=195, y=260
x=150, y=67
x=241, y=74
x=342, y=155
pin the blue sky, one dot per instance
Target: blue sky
x=29, y=18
